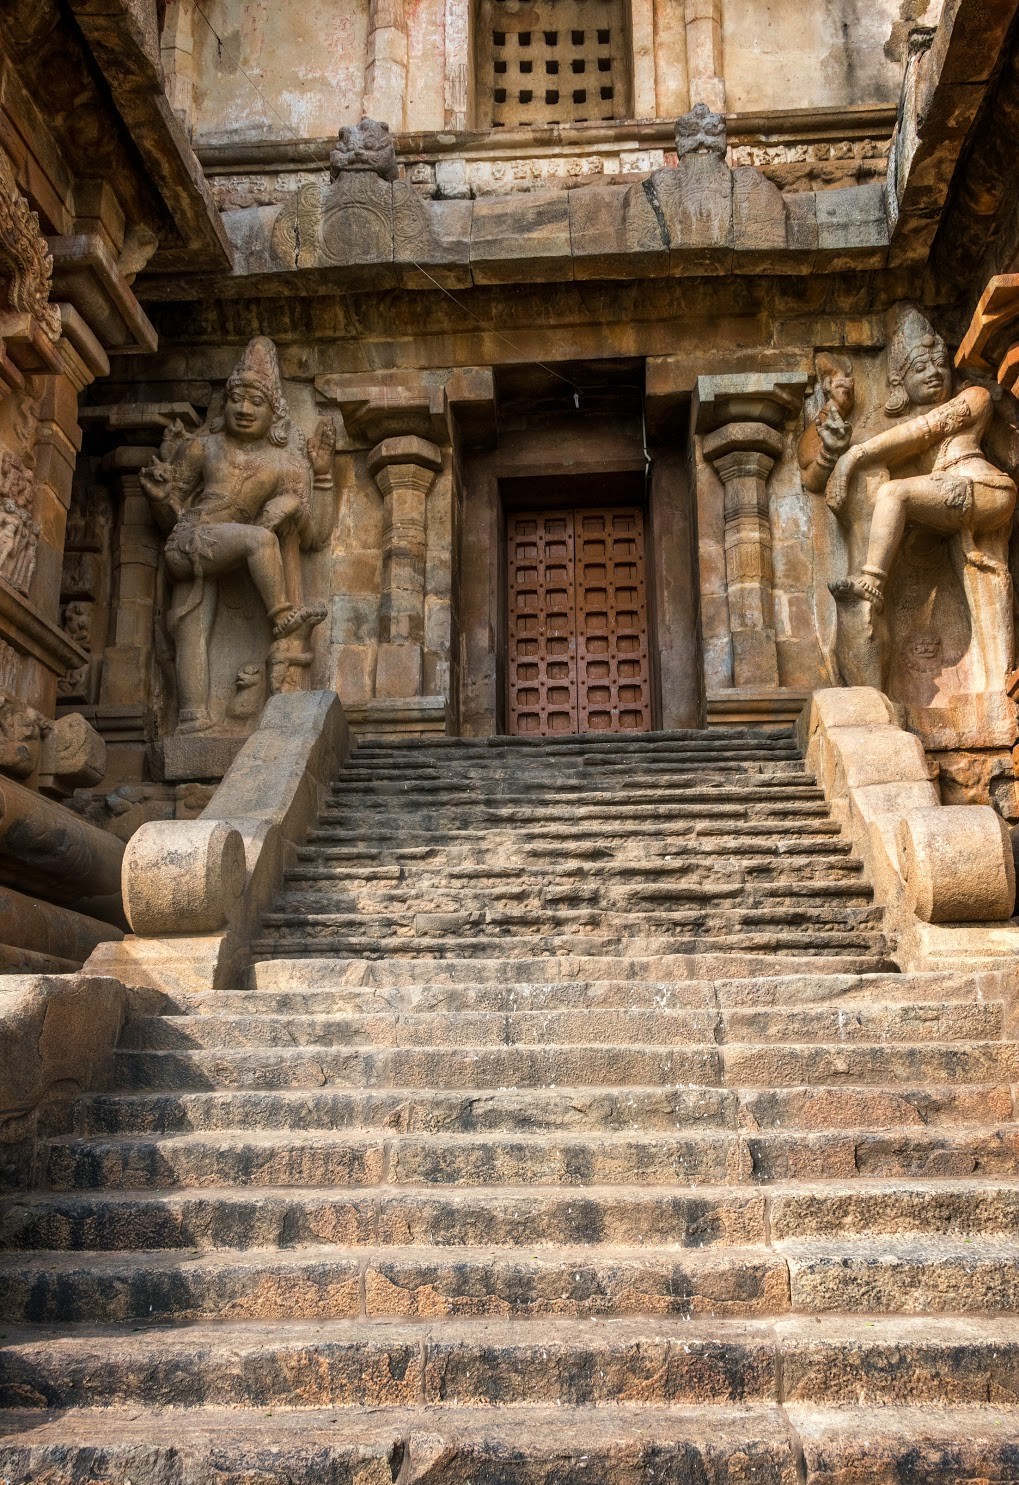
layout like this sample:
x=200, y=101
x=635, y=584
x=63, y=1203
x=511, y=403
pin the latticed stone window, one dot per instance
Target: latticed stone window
x=560, y=62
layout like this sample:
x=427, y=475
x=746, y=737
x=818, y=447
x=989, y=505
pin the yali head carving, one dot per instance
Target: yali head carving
x=919, y=371
x=700, y=132
x=365, y=146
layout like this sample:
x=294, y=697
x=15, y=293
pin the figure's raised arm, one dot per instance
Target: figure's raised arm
x=170, y=483
x=969, y=409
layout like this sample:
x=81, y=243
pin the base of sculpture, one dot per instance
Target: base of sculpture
x=762, y=704
x=192, y=756
x=412, y=716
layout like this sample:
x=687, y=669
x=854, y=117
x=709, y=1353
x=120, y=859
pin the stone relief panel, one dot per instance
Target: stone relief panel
x=19, y=531
x=240, y=503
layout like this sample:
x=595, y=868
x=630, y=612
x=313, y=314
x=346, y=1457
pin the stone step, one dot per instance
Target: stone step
x=647, y=902
x=726, y=1444
x=562, y=1108
x=338, y=1283
x=527, y=1446
x=723, y=829
x=625, y=980
x=848, y=1022
x=599, y=995
x=648, y=799
x=905, y=1275
x=835, y=950
x=768, y=870
x=882, y=1274
x=745, y=1066
x=365, y=1158
x=224, y=1217
x=616, y=814
x=678, y=853
x=399, y=788
x=655, y=1362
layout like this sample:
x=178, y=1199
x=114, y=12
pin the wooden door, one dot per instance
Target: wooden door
x=578, y=643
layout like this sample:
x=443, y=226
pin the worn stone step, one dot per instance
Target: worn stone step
x=335, y=1283
x=876, y=1360
x=533, y=1217
x=427, y=1110
x=425, y=1029
x=747, y=1066
x=834, y=951
x=549, y=790
x=935, y=1445
x=651, y=1362
x=376, y=1217
x=631, y=980
x=433, y=1067
x=905, y=1275
x=355, y=1157
x=955, y=1022
x=684, y=852
x=721, y=828
x=660, y=1362
x=726, y=1445
x=308, y=997
x=648, y=903
x=713, y=918
x=657, y=800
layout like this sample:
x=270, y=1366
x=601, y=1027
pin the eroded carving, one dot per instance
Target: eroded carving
x=19, y=533
x=24, y=256
x=368, y=146
x=827, y=434
x=237, y=497
x=22, y=731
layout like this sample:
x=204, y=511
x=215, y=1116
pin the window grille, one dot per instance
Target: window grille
x=561, y=62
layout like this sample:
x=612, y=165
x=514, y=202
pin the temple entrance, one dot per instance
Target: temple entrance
x=578, y=653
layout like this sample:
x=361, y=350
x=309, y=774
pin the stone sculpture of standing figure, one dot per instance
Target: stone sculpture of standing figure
x=937, y=478
x=235, y=494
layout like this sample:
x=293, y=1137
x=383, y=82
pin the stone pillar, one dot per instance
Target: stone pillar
x=385, y=73
x=744, y=455
x=704, y=53
x=404, y=470
x=176, y=52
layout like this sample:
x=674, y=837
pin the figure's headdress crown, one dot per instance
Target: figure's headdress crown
x=259, y=367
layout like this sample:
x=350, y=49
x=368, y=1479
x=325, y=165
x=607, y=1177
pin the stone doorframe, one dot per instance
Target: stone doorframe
x=550, y=453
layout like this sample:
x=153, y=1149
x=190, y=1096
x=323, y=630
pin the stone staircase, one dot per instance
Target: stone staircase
x=577, y=1130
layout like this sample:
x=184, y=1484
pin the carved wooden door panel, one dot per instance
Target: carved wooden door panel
x=542, y=624
x=613, y=674
x=578, y=643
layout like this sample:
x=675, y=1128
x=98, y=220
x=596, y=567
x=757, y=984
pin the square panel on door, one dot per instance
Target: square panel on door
x=578, y=642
